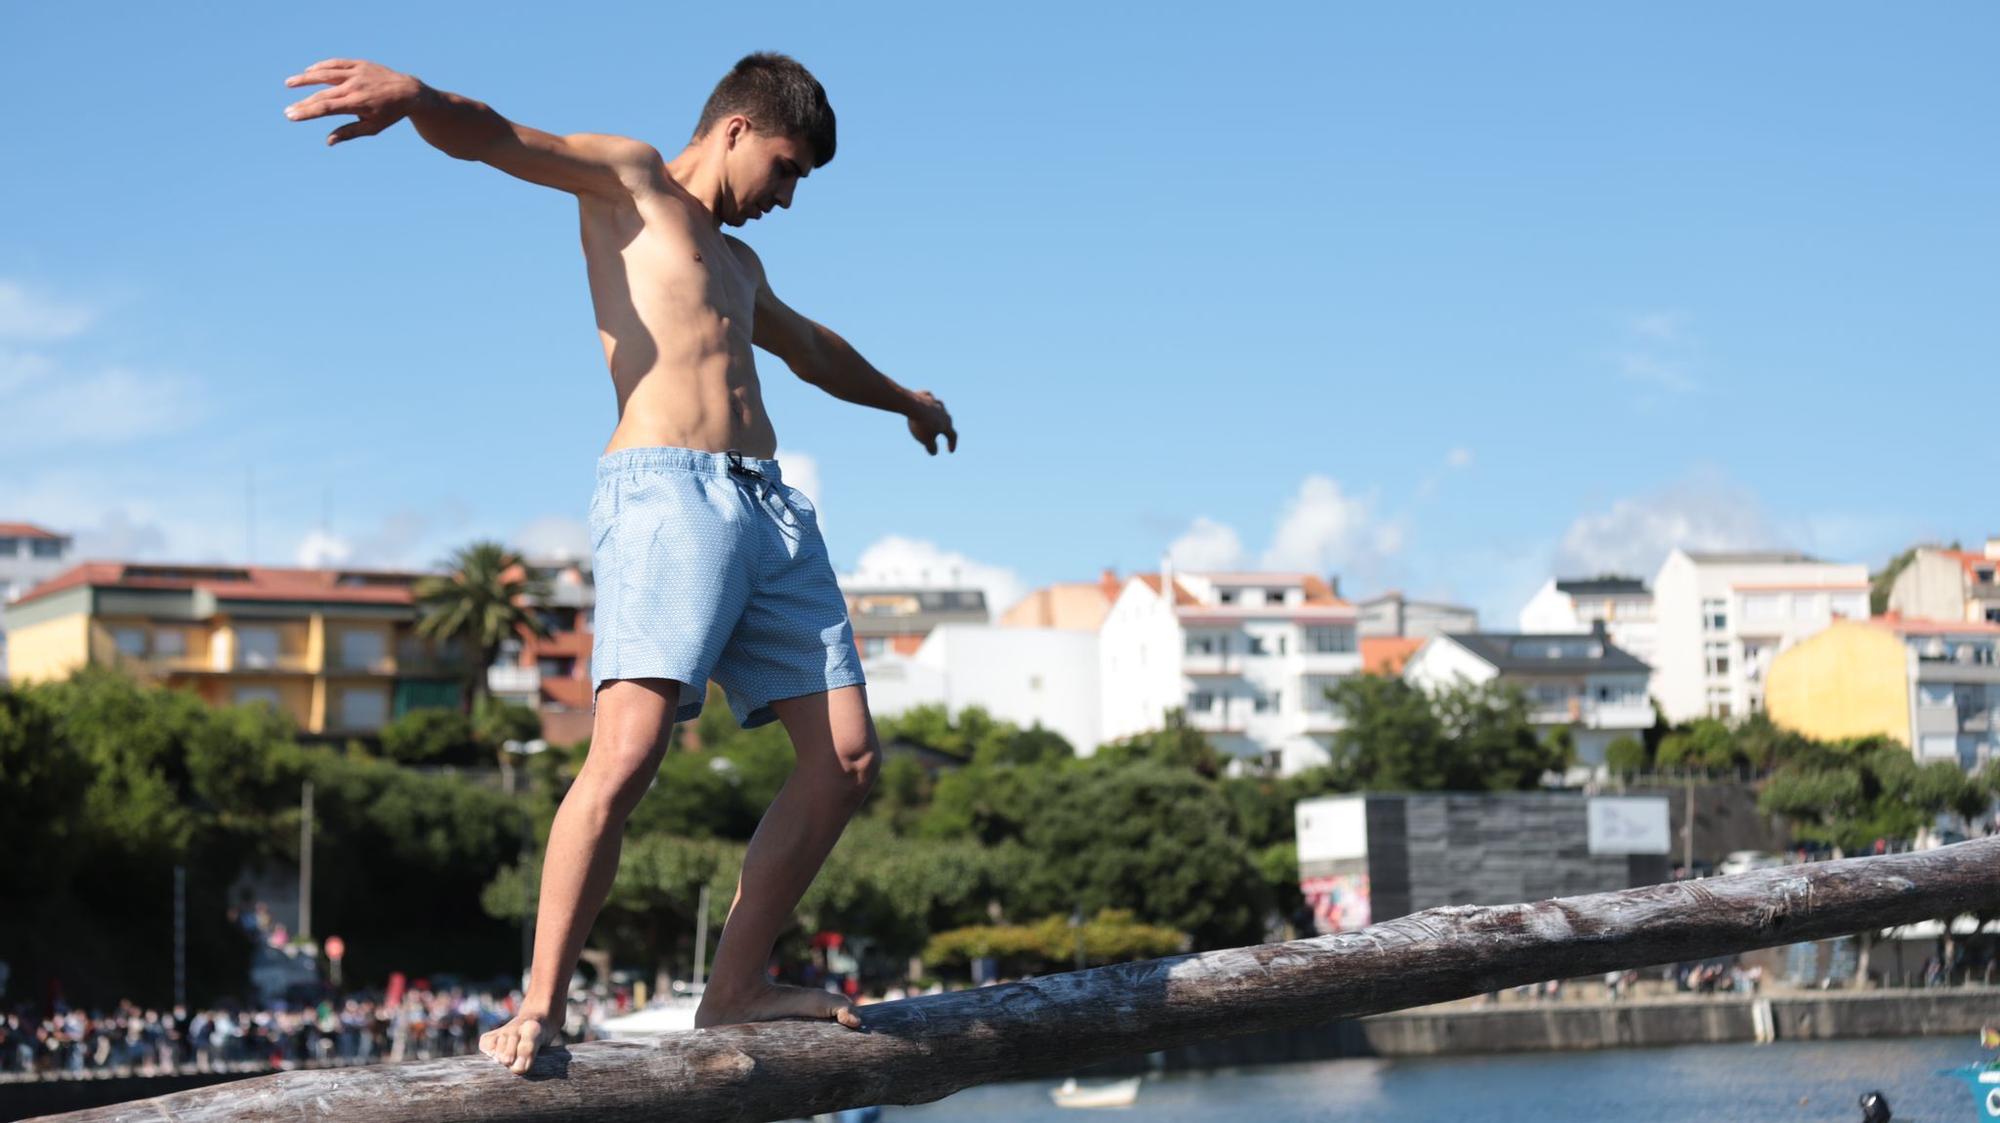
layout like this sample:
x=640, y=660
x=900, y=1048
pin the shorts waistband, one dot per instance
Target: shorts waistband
x=670, y=458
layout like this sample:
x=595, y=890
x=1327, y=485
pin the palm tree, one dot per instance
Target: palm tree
x=482, y=600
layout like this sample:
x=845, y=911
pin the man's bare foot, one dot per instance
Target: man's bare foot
x=516, y=1043
x=774, y=1000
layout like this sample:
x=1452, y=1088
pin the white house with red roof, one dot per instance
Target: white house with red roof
x=1943, y=584
x=1248, y=656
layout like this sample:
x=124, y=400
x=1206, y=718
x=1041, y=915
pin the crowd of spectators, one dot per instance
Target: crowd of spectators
x=356, y=1029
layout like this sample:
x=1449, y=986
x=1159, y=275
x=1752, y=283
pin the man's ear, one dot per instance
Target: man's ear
x=736, y=127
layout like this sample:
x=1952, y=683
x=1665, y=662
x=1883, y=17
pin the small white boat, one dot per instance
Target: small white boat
x=1118, y=1093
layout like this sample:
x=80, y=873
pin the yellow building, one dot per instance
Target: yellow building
x=1933, y=685
x=335, y=649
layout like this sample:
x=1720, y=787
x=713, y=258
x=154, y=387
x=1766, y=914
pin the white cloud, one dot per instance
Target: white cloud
x=1706, y=511
x=1658, y=351
x=318, y=550
x=1458, y=458
x=895, y=560
x=1207, y=545
x=801, y=470
x=51, y=403
x=1664, y=326
x=30, y=316
x=553, y=536
x=1324, y=529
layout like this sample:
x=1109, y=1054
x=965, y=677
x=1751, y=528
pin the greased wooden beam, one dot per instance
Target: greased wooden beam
x=921, y=1049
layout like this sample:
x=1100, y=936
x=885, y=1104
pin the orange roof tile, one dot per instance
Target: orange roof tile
x=272, y=583
x=27, y=530
x=1181, y=595
x=1919, y=626
x=1386, y=655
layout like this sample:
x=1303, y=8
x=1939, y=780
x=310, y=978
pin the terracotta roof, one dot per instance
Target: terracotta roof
x=1181, y=595
x=1385, y=655
x=229, y=582
x=1919, y=626
x=27, y=530
x=1967, y=559
x=1319, y=592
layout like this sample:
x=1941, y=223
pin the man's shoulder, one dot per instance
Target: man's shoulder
x=745, y=254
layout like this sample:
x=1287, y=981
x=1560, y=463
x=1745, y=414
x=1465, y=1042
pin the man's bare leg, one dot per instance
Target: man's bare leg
x=838, y=759
x=627, y=741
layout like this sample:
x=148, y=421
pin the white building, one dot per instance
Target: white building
x=1247, y=655
x=1022, y=675
x=29, y=555
x=1943, y=584
x=1720, y=617
x=1578, y=604
x=1393, y=614
x=1583, y=683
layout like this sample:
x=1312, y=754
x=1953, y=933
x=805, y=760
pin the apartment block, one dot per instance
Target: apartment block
x=1931, y=684
x=1583, y=683
x=334, y=648
x=1720, y=618
x=1248, y=656
x=1623, y=605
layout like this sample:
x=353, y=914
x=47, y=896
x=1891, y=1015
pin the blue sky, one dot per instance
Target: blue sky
x=1440, y=297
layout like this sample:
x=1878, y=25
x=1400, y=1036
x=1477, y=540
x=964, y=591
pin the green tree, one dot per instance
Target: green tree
x=1151, y=838
x=1625, y=755
x=431, y=736
x=1464, y=737
x=1851, y=793
x=483, y=599
x=1176, y=744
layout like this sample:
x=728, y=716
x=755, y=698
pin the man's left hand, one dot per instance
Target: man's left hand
x=929, y=419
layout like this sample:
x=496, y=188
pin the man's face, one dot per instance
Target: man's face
x=762, y=171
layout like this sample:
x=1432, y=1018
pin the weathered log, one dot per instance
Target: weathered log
x=921, y=1049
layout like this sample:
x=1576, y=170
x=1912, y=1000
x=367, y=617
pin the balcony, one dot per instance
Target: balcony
x=283, y=663
x=1210, y=664
x=383, y=665
x=517, y=680
x=1217, y=720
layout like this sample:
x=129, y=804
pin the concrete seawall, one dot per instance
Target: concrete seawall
x=1534, y=1027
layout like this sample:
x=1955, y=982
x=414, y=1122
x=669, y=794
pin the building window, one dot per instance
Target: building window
x=1934, y=694
x=1274, y=596
x=1282, y=644
x=1257, y=645
x=171, y=642
x=130, y=641
x=45, y=548
x=1715, y=615
x=1718, y=701
x=1985, y=574
x=244, y=695
x=1269, y=703
x=1327, y=639
x=1226, y=596
x=362, y=649
x=9, y=547
x=1201, y=701
x=874, y=645
x=555, y=667
x=363, y=709
x=256, y=647
x=1716, y=656
x=1201, y=645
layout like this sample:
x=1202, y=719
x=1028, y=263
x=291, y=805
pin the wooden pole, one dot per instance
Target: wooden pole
x=922, y=1049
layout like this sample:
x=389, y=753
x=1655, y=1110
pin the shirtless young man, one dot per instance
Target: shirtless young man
x=706, y=564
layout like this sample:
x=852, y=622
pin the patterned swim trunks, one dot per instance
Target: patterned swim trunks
x=709, y=567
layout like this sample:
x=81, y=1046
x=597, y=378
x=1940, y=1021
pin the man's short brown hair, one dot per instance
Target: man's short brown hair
x=779, y=96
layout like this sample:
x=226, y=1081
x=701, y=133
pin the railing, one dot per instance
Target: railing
x=514, y=680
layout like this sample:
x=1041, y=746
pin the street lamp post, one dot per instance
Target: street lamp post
x=524, y=749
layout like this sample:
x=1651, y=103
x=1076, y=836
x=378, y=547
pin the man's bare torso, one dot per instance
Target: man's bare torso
x=675, y=299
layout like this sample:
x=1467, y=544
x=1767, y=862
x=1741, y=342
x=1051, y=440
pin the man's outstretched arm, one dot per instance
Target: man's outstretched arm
x=591, y=164
x=818, y=355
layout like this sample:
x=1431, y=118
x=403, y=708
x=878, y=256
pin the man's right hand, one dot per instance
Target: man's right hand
x=379, y=96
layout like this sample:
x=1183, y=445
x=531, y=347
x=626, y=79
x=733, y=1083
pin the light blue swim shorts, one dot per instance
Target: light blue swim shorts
x=709, y=567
